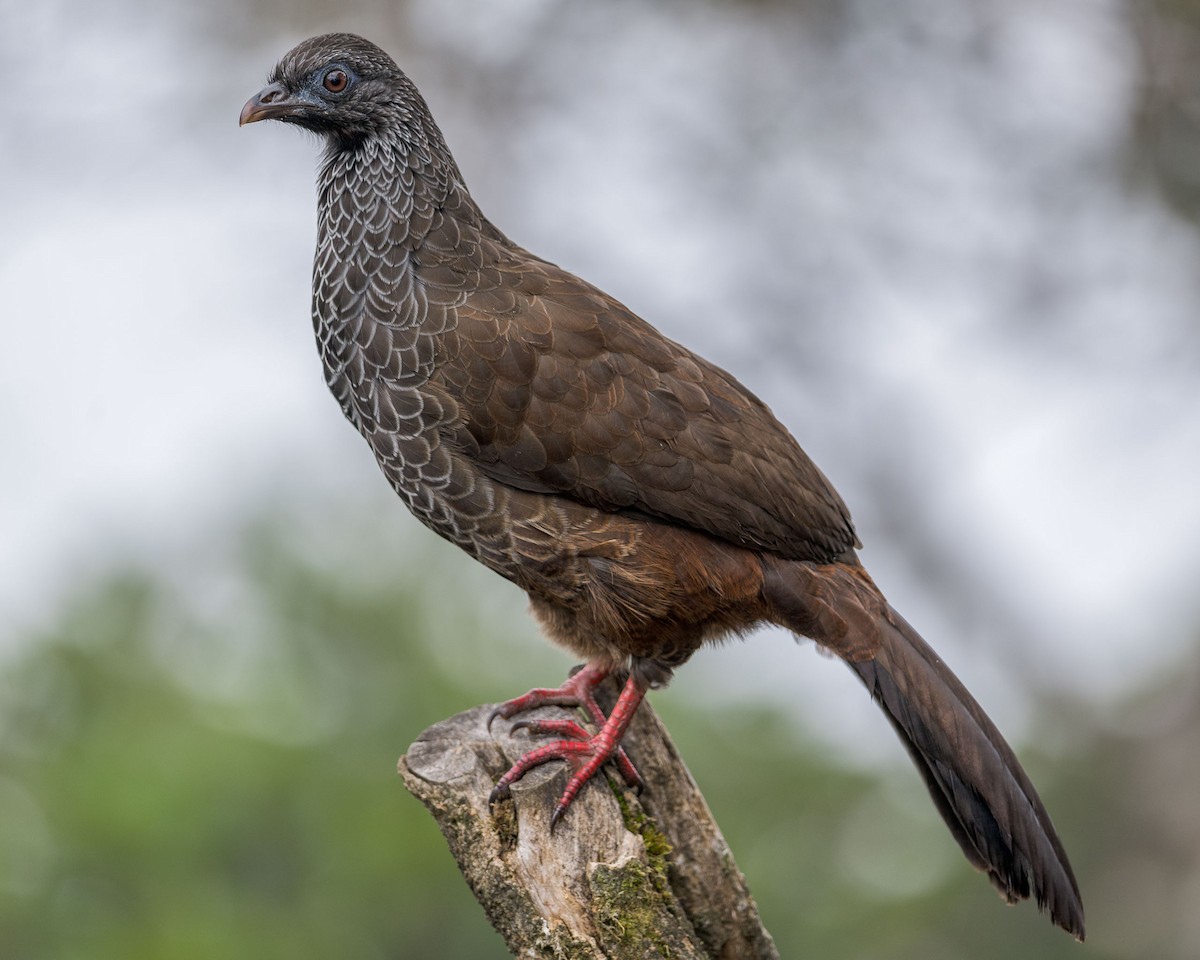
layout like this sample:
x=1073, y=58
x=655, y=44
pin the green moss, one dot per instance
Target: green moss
x=628, y=908
x=633, y=905
x=658, y=848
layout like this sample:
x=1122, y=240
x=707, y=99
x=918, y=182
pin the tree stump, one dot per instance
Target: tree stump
x=622, y=876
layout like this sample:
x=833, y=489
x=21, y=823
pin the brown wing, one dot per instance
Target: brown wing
x=563, y=390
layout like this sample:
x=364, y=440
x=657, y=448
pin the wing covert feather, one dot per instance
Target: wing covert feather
x=568, y=392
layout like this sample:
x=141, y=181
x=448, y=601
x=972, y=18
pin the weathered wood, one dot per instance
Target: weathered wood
x=622, y=875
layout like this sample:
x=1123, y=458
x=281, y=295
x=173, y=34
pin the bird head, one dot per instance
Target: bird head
x=342, y=87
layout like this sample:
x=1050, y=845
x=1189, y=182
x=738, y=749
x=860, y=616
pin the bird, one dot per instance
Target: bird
x=645, y=500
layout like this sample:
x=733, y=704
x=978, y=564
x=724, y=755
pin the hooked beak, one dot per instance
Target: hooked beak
x=270, y=103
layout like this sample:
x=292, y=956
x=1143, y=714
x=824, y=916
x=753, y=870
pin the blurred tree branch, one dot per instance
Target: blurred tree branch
x=621, y=876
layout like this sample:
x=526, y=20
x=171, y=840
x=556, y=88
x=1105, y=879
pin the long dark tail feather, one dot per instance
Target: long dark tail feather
x=975, y=780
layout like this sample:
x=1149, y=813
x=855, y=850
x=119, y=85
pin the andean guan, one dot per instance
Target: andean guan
x=645, y=500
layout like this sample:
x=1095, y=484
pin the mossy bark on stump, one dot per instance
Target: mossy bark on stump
x=622, y=875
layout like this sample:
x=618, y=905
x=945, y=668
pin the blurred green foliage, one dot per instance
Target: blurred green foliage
x=144, y=813
x=197, y=773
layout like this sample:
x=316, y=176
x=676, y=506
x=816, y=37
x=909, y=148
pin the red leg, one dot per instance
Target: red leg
x=585, y=757
x=578, y=690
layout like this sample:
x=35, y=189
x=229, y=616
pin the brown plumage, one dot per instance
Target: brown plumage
x=644, y=499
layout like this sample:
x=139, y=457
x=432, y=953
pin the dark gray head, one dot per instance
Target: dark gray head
x=346, y=89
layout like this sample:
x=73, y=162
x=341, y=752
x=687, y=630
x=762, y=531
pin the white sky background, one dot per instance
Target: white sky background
x=905, y=226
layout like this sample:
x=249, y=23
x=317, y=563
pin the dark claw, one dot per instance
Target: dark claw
x=499, y=792
x=629, y=772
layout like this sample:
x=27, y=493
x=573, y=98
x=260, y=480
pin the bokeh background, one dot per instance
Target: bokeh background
x=955, y=246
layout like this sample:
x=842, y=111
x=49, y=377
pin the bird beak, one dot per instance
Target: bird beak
x=270, y=103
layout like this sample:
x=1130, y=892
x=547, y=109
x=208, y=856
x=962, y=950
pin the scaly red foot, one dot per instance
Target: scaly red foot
x=585, y=753
x=578, y=690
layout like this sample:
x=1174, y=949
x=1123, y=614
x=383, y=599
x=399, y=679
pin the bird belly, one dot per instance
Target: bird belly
x=616, y=587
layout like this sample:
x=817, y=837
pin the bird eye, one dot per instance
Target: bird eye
x=336, y=80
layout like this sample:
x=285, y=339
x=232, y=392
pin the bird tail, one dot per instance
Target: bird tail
x=974, y=777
